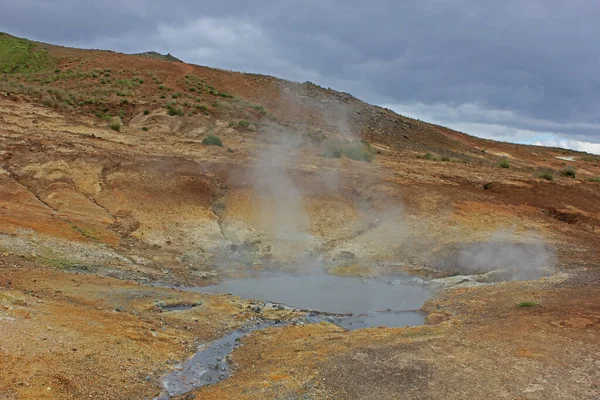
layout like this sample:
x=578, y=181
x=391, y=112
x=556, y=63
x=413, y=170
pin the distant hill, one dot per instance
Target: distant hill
x=157, y=56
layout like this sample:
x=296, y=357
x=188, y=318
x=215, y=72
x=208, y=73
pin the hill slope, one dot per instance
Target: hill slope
x=117, y=167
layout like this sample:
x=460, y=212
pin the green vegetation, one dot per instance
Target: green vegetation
x=176, y=95
x=22, y=56
x=260, y=109
x=525, y=304
x=146, y=112
x=546, y=174
x=429, y=156
x=504, y=163
x=357, y=150
x=569, y=172
x=360, y=151
x=174, y=110
x=145, y=129
x=594, y=179
x=212, y=140
x=115, y=124
x=488, y=185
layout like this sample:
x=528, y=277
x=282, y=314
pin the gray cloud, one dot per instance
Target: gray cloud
x=525, y=66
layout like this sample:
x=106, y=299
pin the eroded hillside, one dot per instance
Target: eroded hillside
x=120, y=173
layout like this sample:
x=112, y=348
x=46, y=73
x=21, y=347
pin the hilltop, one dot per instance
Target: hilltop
x=123, y=175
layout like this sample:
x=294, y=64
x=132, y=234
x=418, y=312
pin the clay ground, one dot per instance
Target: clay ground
x=96, y=225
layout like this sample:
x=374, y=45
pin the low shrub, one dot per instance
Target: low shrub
x=115, y=124
x=594, y=179
x=333, y=148
x=360, y=151
x=429, y=156
x=569, y=172
x=525, y=304
x=146, y=112
x=546, y=174
x=175, y=110
x=212, y=140
x=504, y=163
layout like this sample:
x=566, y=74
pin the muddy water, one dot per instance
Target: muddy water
x=351, y=303
x=372, y=302
x=208, y=365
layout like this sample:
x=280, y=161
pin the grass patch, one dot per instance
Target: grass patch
x=212, y=140
x=546, y=174
x=115, y=124
x=175, y=110
x=594, y=179
x=22, y=56
x=146, y=112
x=333, y=148
x=526, y=304
x=429, y=156
x=568, y=172
x=488, y=185
x=504, y=163
x=360, y=151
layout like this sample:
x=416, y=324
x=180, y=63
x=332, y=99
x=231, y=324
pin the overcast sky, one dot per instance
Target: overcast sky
x=517, y=70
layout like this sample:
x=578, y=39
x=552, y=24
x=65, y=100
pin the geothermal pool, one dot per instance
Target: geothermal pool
x=372, y=302
x=351, y=303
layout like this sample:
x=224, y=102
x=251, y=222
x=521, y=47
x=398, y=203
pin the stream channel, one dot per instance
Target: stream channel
x=349, y=302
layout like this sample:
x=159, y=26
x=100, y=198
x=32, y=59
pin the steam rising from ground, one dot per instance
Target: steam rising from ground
x=285, y=225
x=530, y=258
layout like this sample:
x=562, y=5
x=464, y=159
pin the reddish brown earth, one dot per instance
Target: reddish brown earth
x=90, y=217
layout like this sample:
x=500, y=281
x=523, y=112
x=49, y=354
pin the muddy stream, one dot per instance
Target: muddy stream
x=349, y=302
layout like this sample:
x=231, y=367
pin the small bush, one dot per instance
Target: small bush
x=360, y=151
x=429, y=156
x=569, y=171
x=243, y=124
x=146, y=112
x=145, y=129
x=525, y=304
x=487, y=186
x=176, y=95
x=547, y=175
x=594, y=179
x=175, y=110
x=161, y=87
x=504, y=163
x=48, y=101
x=333, y=148
x=115, y=124
x=192, y=89
x=212, y=141
x=446, y=159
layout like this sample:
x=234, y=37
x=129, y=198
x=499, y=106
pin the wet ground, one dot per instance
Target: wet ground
x=351, y=303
